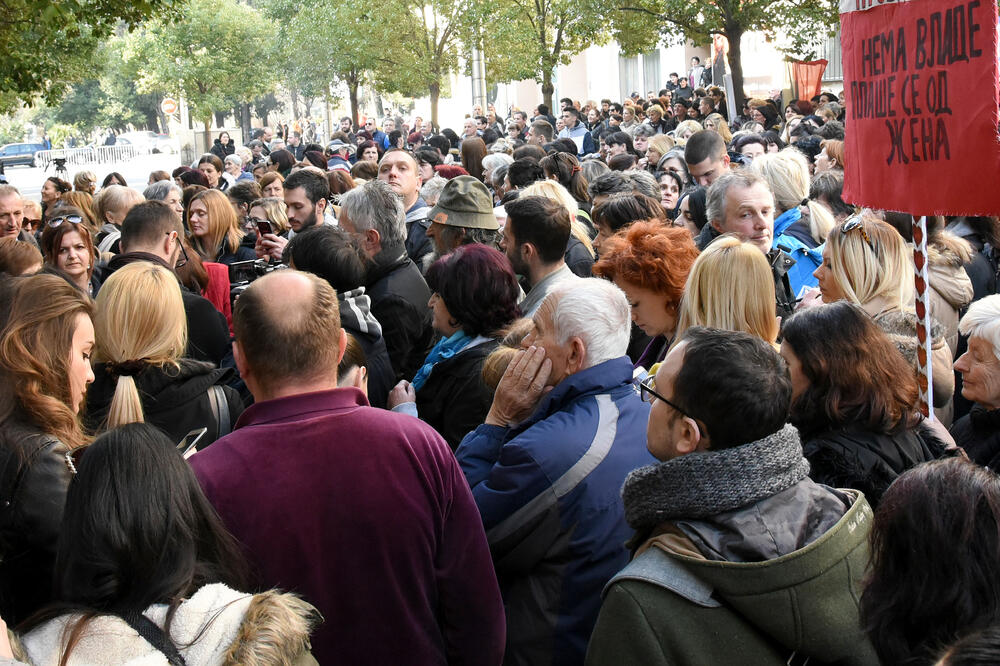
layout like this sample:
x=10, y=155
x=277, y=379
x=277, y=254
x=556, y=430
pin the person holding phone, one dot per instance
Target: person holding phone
x=268, y=215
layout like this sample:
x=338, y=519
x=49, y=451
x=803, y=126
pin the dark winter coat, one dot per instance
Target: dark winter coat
x=221, y=151
x=175, y=400
x=853, y=457
x=454, y=400
x=399, y=302
x=978, y=432
x=244, y=251
x=34, y=478
x=578, y=258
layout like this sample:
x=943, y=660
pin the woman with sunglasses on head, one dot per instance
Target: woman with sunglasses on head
x=866, y=262
x=45, y=348
x=140, y=374
x=67, y=246
x=147, y=573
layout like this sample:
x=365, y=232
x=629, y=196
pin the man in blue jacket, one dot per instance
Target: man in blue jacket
x=565, y=429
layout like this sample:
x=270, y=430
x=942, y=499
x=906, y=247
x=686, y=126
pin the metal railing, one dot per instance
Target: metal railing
x=90, y=155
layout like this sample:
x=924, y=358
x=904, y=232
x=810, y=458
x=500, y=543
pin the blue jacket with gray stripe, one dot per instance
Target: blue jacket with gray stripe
x=549, y=494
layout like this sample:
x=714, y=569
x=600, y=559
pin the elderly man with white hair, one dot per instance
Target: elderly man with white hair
x=978, y=432
x=565, y=429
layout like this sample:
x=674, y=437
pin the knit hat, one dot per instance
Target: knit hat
x=465, y=202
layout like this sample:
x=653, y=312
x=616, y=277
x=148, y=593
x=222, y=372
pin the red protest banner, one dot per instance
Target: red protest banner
x=921, y=84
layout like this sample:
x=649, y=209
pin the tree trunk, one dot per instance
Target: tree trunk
x=295, y=108
x=208, y=134
x=735, y=36
x=327, y=101
x=245, y=122
x=352, y=92
x=435, y=90
x=220, y=118
x=548, y=89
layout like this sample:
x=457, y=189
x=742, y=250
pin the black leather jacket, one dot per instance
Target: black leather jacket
x=34, y=478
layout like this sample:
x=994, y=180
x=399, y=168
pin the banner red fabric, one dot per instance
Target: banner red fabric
x=808, y=77
x=920, y=78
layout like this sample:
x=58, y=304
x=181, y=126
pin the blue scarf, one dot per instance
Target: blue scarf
x=444, y=349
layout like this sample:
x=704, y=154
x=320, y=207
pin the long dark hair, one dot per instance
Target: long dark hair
x=935, y=574
x=856, y=374
x=566, y=169
x=137, y=531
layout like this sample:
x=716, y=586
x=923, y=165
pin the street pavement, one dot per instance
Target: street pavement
x=29, y=180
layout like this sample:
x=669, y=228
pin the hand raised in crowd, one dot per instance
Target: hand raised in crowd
x=400, y=393
x=811, y=297
x=522, y=386
x=270, y=246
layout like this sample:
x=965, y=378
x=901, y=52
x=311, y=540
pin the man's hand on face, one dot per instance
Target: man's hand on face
x=521, y=388
x=270, y=246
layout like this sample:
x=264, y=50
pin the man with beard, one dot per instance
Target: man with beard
x=306, y=193
x=534, y=239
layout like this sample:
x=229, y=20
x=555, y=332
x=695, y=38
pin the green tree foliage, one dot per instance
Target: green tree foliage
x=642, y=23
x=530, y=38
x=46, y=45
x=217, y=54
x=352, y=46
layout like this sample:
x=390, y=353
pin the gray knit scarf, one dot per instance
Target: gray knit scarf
x=703, y=484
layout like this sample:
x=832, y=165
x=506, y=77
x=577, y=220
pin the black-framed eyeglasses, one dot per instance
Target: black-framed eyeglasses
x=183, y=259
x=648, y=393
x=857, y=223
x=72, y=219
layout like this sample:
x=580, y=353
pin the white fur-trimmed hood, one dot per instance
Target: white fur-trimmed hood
x=216, y=626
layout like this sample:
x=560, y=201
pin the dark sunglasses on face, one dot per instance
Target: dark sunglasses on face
x=72, y=219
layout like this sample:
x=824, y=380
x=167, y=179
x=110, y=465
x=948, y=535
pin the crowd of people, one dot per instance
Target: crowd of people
x=630, y=385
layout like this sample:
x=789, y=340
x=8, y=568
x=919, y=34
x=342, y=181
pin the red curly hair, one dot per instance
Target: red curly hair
x=651, y=255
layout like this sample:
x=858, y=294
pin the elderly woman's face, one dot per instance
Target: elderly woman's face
x=980, y=370
x=640, y=143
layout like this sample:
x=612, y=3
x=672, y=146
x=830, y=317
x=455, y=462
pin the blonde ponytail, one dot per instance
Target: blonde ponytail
x=126, y=405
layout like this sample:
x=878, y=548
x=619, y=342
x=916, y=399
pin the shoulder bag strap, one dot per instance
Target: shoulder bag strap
x=220, y=409
x=156, y=637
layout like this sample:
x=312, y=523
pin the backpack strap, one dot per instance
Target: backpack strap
x=156, y=637
x=109, y=240
x=220, y=410
x=655, y=567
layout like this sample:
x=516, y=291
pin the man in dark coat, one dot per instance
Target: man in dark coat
x=374, y=214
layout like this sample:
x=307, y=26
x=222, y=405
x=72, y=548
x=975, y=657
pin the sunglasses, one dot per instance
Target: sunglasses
x=72, y=219
x=856, y=223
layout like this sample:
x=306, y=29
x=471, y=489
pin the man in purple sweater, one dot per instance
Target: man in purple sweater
x=363, y=512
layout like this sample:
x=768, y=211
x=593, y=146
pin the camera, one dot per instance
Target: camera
x=242, y=273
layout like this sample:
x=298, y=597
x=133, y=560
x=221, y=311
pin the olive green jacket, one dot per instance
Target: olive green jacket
x=666, y=607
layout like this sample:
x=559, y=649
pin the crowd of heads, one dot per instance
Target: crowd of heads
x=707, y=250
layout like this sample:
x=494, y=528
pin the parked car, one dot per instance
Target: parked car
x=19, y=153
